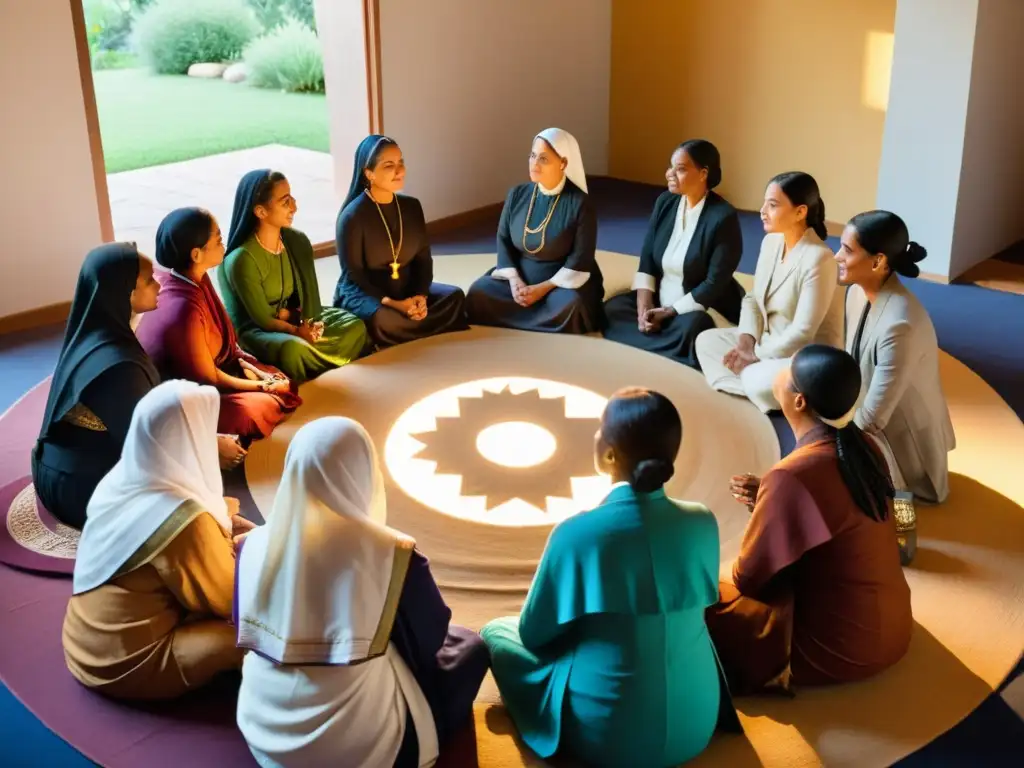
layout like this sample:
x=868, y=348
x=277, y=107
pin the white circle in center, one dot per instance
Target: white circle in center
x=516, y=444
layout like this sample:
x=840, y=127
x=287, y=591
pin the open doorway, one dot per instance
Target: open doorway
x=192, y=94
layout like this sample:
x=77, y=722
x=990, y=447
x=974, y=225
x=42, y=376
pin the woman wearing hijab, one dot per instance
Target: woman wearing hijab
x=818, y=594
x=101, y=374
x=795, y=300
x=610, y=661
x=547, y=277
x=270, y=288
x=190, y=336
x=154, y=576
x=685, y=282
x=890, y=334
x=353, y=657
x=387, y=270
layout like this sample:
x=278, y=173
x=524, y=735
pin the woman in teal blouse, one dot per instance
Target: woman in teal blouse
x=610, y=660
x=269, y=286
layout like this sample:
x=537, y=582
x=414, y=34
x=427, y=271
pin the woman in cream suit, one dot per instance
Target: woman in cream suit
x=890, y=334
x=795, y=300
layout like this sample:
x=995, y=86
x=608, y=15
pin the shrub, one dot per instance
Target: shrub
x=288, y=58
x=114, y=60
x=274, y=13
x=107, y=25
x=171, y=35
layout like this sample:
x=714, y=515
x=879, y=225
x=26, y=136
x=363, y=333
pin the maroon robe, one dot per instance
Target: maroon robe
x=189, y=336
x=818, y=585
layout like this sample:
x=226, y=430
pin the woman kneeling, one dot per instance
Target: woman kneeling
x=819, y=594
x=610, y=659
x=154, y=577
x=354, y=661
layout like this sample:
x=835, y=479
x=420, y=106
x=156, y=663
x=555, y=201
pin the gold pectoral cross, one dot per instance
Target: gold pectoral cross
x=394, y=270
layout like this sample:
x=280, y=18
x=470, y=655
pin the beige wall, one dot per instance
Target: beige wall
x=467, y=84
x=777, y=85
x=50, y=217
x=991, y=192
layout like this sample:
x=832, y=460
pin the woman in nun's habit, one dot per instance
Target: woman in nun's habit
x=354, y=660
x=387, y=271
x=547, y=277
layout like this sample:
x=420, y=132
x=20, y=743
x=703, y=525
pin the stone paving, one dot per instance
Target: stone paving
x=140, y=199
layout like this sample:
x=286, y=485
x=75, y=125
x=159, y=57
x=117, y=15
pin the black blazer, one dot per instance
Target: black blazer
x=713, y=255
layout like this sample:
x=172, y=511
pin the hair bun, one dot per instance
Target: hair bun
x=714, y=177
x=906, y=264
x=650, y=474
x=916, y=252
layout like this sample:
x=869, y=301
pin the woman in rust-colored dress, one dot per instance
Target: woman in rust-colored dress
x=818, y=594
x=190, y=336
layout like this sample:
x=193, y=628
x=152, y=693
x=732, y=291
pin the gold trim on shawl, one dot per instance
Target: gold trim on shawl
x=81, y=416
x=399, y=568
x=168, y=531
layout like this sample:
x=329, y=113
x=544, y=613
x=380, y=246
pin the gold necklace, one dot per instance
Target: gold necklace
x=401, y=234
x=280, y=245
x=543, y=225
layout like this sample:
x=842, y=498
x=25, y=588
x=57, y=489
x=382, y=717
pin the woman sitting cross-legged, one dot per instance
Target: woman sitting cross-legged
x=101, y=375
x=795, y=300
x=154, y=576
x=685, y=282
x=610, y=661
x=354, y=660
x=190, y=336
x=387, y=271
x=818, y=594
x=889, y=333
x=547, y=277
x=270, y=288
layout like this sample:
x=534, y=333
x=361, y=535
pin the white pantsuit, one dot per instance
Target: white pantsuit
x=795, y=301
x=902, y=399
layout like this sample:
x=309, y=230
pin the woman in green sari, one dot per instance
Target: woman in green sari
x=610, y=661
x=270, y=289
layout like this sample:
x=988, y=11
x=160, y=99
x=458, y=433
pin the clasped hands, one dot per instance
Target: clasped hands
x=528, y=295
x=415, y=307
x=649, y=318
x=740, y=356
x=240, y=526
x=307, y=330
x=269, y=382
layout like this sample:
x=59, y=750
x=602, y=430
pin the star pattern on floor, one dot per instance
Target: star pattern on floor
x=452, y=447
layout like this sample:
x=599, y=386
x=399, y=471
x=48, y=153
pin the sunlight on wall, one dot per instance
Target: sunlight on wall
x=877, y=70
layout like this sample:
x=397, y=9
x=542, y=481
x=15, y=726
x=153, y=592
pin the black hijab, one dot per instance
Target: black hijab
x=99, y=333
x=367, y=152
x=243, y=217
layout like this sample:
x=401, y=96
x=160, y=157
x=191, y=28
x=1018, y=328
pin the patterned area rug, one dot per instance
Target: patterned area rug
x=30, y=537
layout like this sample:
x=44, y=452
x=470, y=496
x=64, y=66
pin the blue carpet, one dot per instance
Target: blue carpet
x=980, y=327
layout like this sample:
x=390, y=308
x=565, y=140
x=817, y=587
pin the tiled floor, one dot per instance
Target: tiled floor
x=140, y=199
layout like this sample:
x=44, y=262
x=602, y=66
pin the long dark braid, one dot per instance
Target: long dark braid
x=829, y=379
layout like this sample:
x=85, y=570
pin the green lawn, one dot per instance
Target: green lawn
x=152, y=119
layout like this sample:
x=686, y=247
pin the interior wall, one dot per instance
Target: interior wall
x=923, y=146
x=340, y=26
x=468, y=84
x=991, y=192
x=50, y=217
x=777, y=85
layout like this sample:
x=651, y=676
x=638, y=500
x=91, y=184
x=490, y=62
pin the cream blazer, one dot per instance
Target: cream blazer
x=793, y=302
x=901, y=395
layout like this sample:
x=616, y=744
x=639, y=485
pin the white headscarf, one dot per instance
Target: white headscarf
x=313, y=583
x=169, y=457
x=567, y=148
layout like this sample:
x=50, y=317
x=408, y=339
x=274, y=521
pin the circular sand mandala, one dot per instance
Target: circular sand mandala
x=487, y=441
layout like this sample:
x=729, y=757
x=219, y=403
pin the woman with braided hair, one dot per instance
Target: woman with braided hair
x=818, y=594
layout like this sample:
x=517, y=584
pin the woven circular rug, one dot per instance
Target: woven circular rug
x=30, y=537
x=967, y=580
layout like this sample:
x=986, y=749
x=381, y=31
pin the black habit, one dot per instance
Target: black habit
x=364, y=251
x=711, y=261
x=569, y=241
